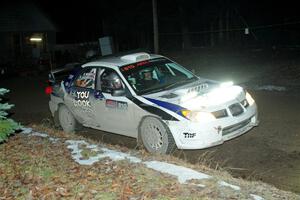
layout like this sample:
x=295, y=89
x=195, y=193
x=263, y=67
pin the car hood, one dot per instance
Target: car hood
x=200, y=95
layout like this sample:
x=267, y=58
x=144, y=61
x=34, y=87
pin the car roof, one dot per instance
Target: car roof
x=118, y=61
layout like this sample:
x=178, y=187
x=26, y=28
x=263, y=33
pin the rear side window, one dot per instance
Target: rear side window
x=86, y=79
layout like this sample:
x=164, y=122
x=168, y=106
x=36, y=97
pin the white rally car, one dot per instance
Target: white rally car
x=153, y=99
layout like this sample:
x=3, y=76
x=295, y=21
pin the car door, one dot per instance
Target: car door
x=113, y=113
x=78, y=98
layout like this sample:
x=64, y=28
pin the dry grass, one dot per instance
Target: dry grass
x=36, y=168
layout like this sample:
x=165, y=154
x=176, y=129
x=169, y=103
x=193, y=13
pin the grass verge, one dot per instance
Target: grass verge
x=33, y=167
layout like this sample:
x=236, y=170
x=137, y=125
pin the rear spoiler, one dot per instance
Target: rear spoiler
x=57, y=75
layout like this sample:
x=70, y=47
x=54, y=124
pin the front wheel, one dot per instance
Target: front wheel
x=66, y=119
x=156, y=136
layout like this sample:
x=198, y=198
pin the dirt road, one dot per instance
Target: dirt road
x=270, y=152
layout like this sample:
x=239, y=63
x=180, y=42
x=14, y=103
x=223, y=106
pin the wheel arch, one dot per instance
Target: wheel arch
x=55, y=114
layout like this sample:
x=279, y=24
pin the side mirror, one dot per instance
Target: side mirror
x=118, y=93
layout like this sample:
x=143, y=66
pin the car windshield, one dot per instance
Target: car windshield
x=156, y=75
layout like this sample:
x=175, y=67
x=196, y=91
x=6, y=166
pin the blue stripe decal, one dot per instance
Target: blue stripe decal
x=173, y=107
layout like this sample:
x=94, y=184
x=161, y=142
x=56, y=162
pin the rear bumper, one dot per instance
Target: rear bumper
x=53, y=103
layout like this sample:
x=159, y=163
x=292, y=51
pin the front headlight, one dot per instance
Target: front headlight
x=249, y=99
x=196, y=116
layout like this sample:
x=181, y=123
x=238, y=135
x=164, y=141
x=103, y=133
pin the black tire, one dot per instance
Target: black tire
x=156, y=136
x=66, y=119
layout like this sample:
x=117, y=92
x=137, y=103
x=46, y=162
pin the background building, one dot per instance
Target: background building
x=27, y=36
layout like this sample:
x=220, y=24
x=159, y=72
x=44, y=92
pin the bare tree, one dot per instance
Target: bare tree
x=186, y=40
x=155, y=27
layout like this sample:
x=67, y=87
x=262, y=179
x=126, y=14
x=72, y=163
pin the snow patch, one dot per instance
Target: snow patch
x=29, y=132
x=103, y=153
x=76, y=152
x=256, y=197
x=26, y=130
x=234, y=187
x=272, y=88
x=54, y=140
x=183, y=174
x=38, y=134
x=199, y=185
x=116, y=155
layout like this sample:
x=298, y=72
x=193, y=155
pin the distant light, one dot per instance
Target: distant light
x=35, y=39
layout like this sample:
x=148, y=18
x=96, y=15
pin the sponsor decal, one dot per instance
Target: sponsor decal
x=120, y=105
x=82, y=99
x=189, y=135
x=132, y=66
x=99, y=95
x=110, y=103
x=71, y=76
x=83, y=95
x=87, y=79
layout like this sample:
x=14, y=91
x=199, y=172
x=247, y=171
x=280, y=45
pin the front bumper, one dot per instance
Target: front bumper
x=192, y=135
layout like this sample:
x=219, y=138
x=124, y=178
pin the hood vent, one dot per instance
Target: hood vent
x=198, y=88
x=169, y=96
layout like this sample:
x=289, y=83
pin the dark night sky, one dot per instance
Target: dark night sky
x=82, y=20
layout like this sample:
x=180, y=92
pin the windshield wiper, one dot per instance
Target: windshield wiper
x=182, y=82
x=155, y=90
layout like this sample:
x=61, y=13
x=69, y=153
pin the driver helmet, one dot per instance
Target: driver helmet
x=114, y=81
x=147, y=74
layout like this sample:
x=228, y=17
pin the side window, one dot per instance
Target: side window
x=86, y=79
x=110, y=80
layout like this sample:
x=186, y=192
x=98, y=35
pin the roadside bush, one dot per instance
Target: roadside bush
x=7, y=126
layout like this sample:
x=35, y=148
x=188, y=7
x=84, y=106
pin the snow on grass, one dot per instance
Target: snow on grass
x=234, y=187
x=116, y=155
x=54, y=140
x=44, y=135
x=74, y=146
x=30, y=132
x=256, y=197
x=26, y=130
x=183, y=174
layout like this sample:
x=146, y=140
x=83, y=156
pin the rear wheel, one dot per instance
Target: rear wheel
x=66, y=119
x=156, y=136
